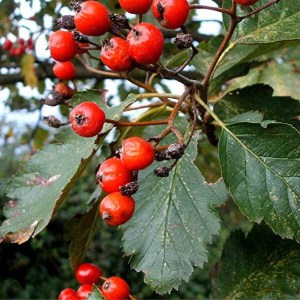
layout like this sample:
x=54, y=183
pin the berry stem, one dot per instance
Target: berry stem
x=219, y=9
x=144, y=123
x=241, y=18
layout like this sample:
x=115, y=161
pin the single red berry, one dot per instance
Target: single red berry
x=92, y=19
x=62, y=45
x=64, y=70
x=84, y=290
x=87, y=119
x=63, y=89
x=136, y=153
x=136, y=6
x=21, y=41
x=115, y=55
x=88, y=273
x=146, y=43
x=112, y=174
x=68, y=294
x=171, y=14
x=245, y=2
x=29, y=44
x=115, y=288
x=116, y=209
x=12, y=51
x=7, y=45
x=20, y=50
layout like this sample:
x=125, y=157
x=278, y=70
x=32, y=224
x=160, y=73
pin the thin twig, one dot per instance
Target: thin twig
x=219, y=9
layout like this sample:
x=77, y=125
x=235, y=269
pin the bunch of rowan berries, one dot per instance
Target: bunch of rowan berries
x=18, y=48
x=88, y=275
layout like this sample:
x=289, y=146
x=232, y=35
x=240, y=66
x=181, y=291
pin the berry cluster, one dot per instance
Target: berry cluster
x=118, y=177
x=88, y=275
x=142, y=43
x=19, y=48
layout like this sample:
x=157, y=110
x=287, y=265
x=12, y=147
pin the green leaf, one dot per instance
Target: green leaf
x=275, y=24
x=28, y=70
x=261, y=168
x=282, y=77
x=261, y=266
x=80, y=230
x=95, y=294
x=39, y=190
x=172, y=224
x=258, y=98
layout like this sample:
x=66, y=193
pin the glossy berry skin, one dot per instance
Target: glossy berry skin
x=115, y=288
x=115, y=55
x=245, y=2
x=136, y=153
x=146, y=43
x=112, y=174
x=64, y=90
x=92, y=19
x=116, y=209
x=84, y=290
x=135, y=6
x=64, y=70
x=171, y=14
x=7, y=45
x=62, y=45
x=87, y=119
x=68, y=294
x=88, y=273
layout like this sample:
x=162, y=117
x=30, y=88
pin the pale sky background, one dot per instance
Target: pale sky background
x=22, y=119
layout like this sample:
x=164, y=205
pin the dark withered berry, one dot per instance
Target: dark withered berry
x=65, y=22
x=129, y=188
x=175, y=151
x=183, y=40
x=162, y=171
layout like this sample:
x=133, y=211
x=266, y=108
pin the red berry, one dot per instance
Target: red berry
x=170, y=14
x=87, y=119
x=88, y=273
x=136, y=6
x=114, y=54
x=84, y=290
x=112, y=174
x=115, y=288
x=146, y=43
x=68, y=294
x=116, y=209
x=92, y=19
x=19, y=51
x=64, y=90
x=136, y=153
x=245, y=2
x=62, y=45
x=21, y=41
x=29, y=44
x=64, y=70
x=7, y=44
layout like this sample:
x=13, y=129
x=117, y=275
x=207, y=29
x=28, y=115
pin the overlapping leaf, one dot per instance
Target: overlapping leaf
x=172, y=224
x=261, y=266
x=38, y=191
x=261, y=168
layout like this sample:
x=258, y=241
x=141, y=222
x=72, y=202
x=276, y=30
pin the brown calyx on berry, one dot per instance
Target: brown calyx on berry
x=160, y=8
x=76, y=5
x=129, y=188
x=183, y=40
x=54, y=99
x=175, y=151
x=162, y=171
x=106, y=216
x=52, y=121
x=99, y=176
x=80, y=38
x=119, y=21
x=161, y=155
x=80, y=119
x=65, y=22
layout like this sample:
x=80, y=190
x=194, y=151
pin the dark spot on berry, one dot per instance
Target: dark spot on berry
x=160, y=9
x=99, y=176
x=106, y=285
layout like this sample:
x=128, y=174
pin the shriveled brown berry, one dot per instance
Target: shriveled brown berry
x=183, y=40
x=162, y=171
x=175, y=151
x=129, y=188
x=65, y=22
